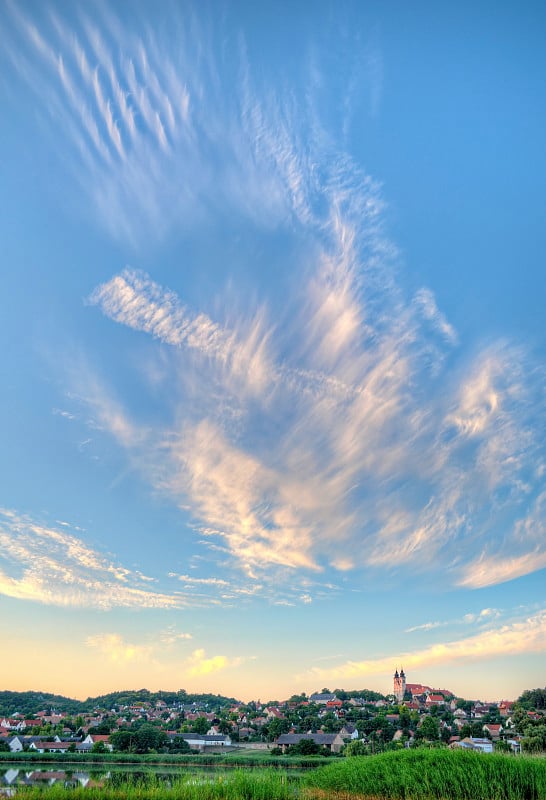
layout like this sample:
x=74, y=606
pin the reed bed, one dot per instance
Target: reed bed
x=404, y=775
x=237, y=785
x=434, y=775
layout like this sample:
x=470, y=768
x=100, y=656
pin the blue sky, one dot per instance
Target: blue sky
x=273, y=346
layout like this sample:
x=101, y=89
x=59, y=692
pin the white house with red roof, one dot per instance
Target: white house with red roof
x=493, y=730
x=435, y=700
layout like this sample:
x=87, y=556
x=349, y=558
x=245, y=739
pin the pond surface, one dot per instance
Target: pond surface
x=17, y=775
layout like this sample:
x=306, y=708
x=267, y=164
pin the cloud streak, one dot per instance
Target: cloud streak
x=355, y=429
x=516, y=638
x=343, y=427
x=53, y=567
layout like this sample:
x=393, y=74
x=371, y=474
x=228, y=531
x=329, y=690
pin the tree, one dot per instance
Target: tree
x=179, y=745
x=122, y=740
x=466, y=705
x=404, y=718
x=429, y=729
x=533, y=698
x=149, y=737
x=305, y=747
x=106, y=726
x=355, y=748
x=276, y=727
x=330, y=723
x=201, y=725
x=471, y=729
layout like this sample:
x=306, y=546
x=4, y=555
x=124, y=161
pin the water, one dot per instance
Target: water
x=15, y=776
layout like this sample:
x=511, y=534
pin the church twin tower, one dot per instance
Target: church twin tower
x=399, y=685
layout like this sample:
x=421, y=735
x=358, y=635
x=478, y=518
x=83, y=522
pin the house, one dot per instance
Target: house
x=19, y=743
x=51, y=747
x=198, y=742
x=515, y=744
x=417, y=689
x=435, y=700
x=358, y=702
x=322, y=698
x=349, y=732
x=505, y=708
x=473, y=743
x=494, y=731
x=11, y=724
x=272, y=712
x=331, y=741
x=95, y=738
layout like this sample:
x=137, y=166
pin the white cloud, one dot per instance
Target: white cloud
x=199, y=664
x=525, y=552
x=171, y=636
x=53, y=567
x=355, y=430
x=330, y=432
x=426, y=301
x=115, y=648
x=518, y=637
x=483, y=616
x=425, y=626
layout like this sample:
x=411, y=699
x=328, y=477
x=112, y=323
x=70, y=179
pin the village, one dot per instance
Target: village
x=323, y=722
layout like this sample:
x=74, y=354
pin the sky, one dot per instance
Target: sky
x=272, y=337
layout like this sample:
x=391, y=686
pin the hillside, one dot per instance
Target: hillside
x=29, y=703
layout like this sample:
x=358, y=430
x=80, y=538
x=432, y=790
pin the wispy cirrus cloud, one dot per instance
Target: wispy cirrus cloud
x=54, y=567
x=171, y=636
x=515, y=638
x=143, y=113
x=425, y=626
x=355, y=430
x=343, y=428
x=483, y=616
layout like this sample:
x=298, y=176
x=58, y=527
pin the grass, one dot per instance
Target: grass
x=234, y=758
x=434, y=775
x=236, y=785
x=404, y=775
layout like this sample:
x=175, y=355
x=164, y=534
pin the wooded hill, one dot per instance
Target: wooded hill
x=29, y=703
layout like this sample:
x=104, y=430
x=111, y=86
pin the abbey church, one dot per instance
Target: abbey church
x=416, y=691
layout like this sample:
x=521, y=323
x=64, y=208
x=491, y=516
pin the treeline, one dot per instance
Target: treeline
x=130, y=697
x=533, y=699
x=29, y=703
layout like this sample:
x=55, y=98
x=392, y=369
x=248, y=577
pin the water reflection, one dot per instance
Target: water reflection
x=15, y=777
